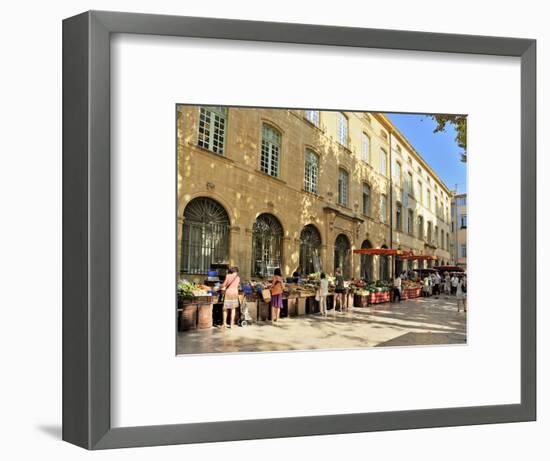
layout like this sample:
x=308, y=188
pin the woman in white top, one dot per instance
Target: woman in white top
x=323, y=293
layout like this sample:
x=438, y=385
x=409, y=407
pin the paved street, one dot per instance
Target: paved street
x=416, y=322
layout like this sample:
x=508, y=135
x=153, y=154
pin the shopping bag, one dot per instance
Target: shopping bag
x=266, y=295
x=317, y=296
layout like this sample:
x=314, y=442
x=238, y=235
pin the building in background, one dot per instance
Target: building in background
x=300, y=190
x=459, y=229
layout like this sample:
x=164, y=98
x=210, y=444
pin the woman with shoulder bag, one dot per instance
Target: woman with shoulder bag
x=276, y=287
x=230, y=288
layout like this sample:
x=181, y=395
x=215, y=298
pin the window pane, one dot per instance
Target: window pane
x=212, y=121
x=311, y=171
x=269, y=158
x=383, y=208
x=313, y=116
x=342, y=129
x=365, y=148
x=383, y=163
x=343, y=187
x=366, y=199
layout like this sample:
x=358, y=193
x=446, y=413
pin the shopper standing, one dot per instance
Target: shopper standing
x=323, y=293
x=276, y=287
x=447, y=284
x=339, y=290
x=230, y=288
x=397, y=288
x=437, y=286
x=454, y=284
x=461, y=295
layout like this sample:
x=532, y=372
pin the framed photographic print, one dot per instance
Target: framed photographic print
x=259, y=216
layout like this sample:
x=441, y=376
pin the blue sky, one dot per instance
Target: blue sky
x=438, y=149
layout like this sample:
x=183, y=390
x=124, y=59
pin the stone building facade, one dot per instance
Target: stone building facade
x=459, y=227
x=297, y=189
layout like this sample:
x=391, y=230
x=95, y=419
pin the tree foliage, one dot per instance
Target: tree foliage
x=459, y=124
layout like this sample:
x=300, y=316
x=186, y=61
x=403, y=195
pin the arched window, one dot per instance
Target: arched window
x=310, y=249
x=311, y=171
x=271, y=150
x=366, y=263
x=342, y=249
x=343, y=187
x=384, y=266
x=267, y=245
x=205, y=235
x=212, y=122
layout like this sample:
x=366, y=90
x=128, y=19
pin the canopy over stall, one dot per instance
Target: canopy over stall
x=449, y=268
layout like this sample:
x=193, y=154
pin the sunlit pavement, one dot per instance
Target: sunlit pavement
x=415, y=322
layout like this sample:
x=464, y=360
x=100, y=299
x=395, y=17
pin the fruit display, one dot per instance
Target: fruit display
x=187, y=289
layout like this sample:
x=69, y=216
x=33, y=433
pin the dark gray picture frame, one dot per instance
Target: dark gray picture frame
x=86, y=229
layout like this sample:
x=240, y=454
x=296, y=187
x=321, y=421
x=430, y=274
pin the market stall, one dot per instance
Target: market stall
x=195, y=305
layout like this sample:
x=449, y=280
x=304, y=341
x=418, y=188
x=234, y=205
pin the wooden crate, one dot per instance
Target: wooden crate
x=264, y=311
x=361, y=300
x=301, y=306
x=204, y=316
x=292, y=306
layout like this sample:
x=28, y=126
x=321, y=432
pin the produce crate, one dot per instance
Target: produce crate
x=300, y=306
x=361, y=300
x=312, y=306
x=410, y=293
x=292, y=306
x=377, y=297
x=264, y=311
x=349, y=299
x=187, y=317
x=252, y=309
x=204, y=316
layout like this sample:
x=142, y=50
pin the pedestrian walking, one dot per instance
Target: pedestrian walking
x=461, y=295
x=323, y=293
x=230, y=289
x=276, y=287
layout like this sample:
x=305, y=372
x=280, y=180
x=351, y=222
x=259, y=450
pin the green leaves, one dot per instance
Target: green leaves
x=459, y=122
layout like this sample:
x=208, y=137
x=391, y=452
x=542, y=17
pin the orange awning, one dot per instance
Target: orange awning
x=420, y=257
x=382, y=252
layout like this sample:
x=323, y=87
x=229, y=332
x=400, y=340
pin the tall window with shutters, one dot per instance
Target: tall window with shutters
x=311, y=171
x=342, y=129
x=313, y=117
x=365, y=148
x=212, y=128
x=383, y=208
x=383, y=163
x=271, y=150
x=343, y=187
x=366, y=199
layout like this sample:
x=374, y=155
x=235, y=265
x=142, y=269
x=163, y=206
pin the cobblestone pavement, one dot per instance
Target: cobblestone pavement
x=415, y=322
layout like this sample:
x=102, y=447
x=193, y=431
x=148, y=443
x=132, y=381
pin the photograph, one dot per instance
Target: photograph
x=319, y=229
